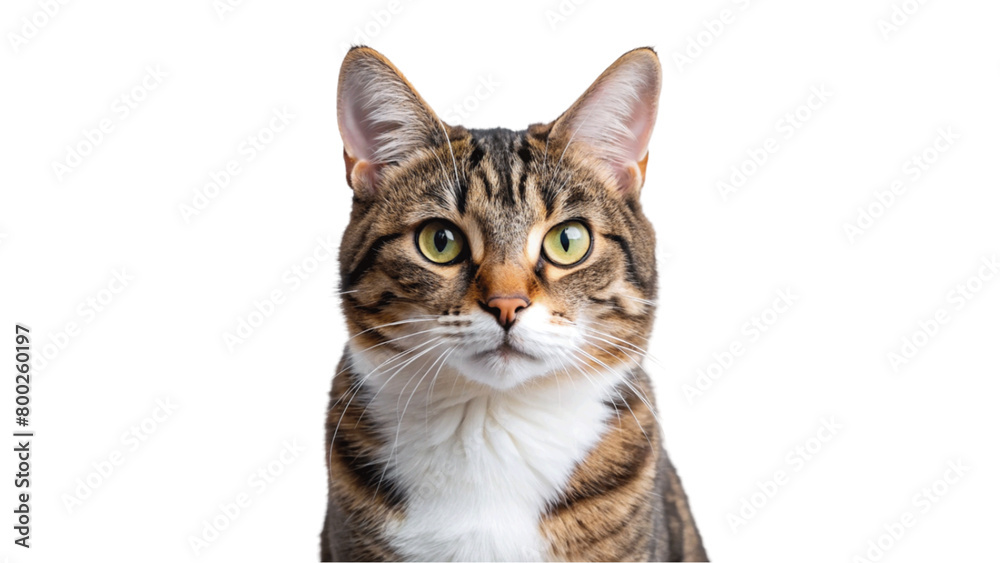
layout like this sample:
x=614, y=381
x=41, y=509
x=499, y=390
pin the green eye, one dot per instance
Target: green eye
x=567, y=244
x=440, y=242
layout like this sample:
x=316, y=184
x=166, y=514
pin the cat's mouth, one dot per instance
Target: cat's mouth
x=503, y=366
x=505, y=352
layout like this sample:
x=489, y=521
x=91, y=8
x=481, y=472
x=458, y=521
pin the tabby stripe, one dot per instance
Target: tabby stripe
x=377, y=334
x=369, y=259
x=476, y=156
x=361, y=464
x=384, y=301
x=368, y=473
x=573, y=198
x=462, y=196
x=506, y=176
x=522, y=186
x=633, y=274
x=487, y=185
x=549, y=195
x=355, y=304
x=606, y=481
x=506, y=188
x=609, y=480
x=524, y=153
x=471, y=269
x=615, y=305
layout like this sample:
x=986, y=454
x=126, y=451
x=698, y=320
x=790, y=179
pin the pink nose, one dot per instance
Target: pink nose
x=505, y=309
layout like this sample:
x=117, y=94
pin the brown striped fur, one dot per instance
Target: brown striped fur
x=625, y=501
x=504, y=189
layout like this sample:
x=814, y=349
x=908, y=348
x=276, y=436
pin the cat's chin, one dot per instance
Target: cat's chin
x=502, y=368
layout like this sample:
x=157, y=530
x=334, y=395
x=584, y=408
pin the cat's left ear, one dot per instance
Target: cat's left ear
x=613, y=120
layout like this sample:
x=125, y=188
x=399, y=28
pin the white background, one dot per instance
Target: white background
x=722, y=260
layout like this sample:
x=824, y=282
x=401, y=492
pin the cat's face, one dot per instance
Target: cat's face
x=508, y=256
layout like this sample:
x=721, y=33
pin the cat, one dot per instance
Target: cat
x=499, y=286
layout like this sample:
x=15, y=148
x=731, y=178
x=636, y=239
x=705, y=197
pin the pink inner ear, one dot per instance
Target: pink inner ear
x=642, y=131
x=381, y=118
x=615, y=119
x=356, y=126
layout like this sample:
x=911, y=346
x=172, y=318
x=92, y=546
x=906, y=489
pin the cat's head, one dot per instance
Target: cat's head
x=507, y=255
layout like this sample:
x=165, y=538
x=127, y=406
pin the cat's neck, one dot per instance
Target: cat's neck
x=471, y=458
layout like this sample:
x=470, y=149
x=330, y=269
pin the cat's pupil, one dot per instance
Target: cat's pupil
x=564, y=240
x=441, y=239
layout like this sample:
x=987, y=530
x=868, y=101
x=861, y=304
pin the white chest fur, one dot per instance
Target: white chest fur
x=478, y=467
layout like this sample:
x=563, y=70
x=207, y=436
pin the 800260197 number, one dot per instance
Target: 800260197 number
x=22, y=381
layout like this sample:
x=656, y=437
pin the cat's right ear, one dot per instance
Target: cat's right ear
x=382, y=119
